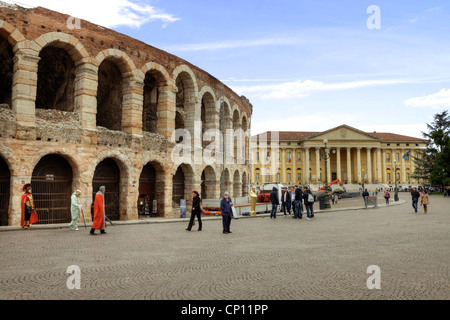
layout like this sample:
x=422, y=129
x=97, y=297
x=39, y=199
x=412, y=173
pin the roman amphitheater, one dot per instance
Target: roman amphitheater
x=85, y=106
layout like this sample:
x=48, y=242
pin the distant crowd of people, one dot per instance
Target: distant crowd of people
x=297, y=198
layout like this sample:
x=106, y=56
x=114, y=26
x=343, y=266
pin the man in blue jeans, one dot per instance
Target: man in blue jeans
x=415, y=195
x=275, y=203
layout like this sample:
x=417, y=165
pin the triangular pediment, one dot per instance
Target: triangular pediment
x=343, y=132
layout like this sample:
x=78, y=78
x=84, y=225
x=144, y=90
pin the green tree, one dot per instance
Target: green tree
x=433, y=163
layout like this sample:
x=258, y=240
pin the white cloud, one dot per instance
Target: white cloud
x=301, y=89
x=438, y=100
x=111, y=13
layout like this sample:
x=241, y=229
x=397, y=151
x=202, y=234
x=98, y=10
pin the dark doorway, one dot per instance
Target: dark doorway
x=5, y=184
x=107, y=174
x=6, y=72
x=147, y=191
x=52, y=188
x=178, y=187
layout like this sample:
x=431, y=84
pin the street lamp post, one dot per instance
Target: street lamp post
x=395, y=178
x=326, y=156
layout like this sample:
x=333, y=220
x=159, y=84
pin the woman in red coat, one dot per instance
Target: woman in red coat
x=99, y=222
x=29, y=214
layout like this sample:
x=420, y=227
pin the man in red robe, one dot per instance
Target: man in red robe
x=99, y=222
x=29, y=214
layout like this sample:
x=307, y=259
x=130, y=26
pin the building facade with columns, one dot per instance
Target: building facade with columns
x=355, y=157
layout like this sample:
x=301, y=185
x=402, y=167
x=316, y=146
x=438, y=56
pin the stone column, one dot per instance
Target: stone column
x=379, y=175
x=318, y=164
x=369, y=167
x=306, y=151
x=328, y=164
x=338, y=163
x=383, y=168
x=166, y=111
x=294, y=164
x=358, y=163
x=24, y=93
x=349, y=166
x=283, y=176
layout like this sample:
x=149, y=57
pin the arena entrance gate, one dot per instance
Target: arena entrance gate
x=52, y=189
x=5, y=178
x=107, y=174
x=147, y=191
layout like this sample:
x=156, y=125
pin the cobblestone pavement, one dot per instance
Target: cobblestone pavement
x=279, y=259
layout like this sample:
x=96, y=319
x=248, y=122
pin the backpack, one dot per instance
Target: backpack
x=310, y=197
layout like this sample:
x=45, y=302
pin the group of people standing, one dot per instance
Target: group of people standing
x=30, y=216
x=293, y=199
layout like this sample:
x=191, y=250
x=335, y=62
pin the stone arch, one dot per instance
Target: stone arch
x=157, y=89
x=5, y=191
x=151, y=187
x=116, y=80
x=182, y=186
x=52, y=181
x=208, y=183
x=11, y=34
x=186, y=97
x=209, y=112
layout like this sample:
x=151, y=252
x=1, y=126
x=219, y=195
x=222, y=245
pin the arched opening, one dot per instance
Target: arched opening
x=224, y=124
x=225, y=182
x=153, y=81
x=237, y=188
x=107, y=173
x=151, y=189
x=237, y=138
x=246, y=146
x=180, y=99
x=56, y=80
x=207, y=115
x=5, y=186
x=52, y=188
x=109, y=96
x=185, y=101
x=179, y=121
x=6, y=72
x=208, y=184
x=182, y=186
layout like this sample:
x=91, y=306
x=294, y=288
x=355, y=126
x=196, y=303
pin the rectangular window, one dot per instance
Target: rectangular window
x=398, y=176
x=268, y=178
x=388, y=156
x=278, y=177
x=299, y=177
x=289, y=177
x=397, y=156
x=257, y=156
x=257, y=177
x=407, y=176
x=278, y=156
x=299, y=156
x=389, y=177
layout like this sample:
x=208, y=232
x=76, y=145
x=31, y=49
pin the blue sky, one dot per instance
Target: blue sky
x=304, y=65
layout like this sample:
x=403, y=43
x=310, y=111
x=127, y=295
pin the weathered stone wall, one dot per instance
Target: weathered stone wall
x=86, y=124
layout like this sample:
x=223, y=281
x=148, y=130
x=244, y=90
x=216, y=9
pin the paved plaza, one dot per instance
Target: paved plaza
x=282, y=259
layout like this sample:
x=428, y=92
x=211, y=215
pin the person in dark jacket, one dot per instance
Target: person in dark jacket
x=365, y=195
x=415, y=196
x=286, y=201
x=308, y=203
x=196, y=211
x=225, y=209
x=298, y=212
x=275, y=202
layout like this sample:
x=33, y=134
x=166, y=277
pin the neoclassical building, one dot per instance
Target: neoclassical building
x=87, y=106
x=355, y=157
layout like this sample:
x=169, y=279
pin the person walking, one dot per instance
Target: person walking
x=196, y=211
x=99, y=222
x=275, y=203
x=415, y=195
x=292, y=193
x=29, y=214
x=365, y=195
x=75, y=209
x=298, y=213
x=308, y=198
x=425, y=201
x=225, y=209
x=387, y=196
x=286, y=201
